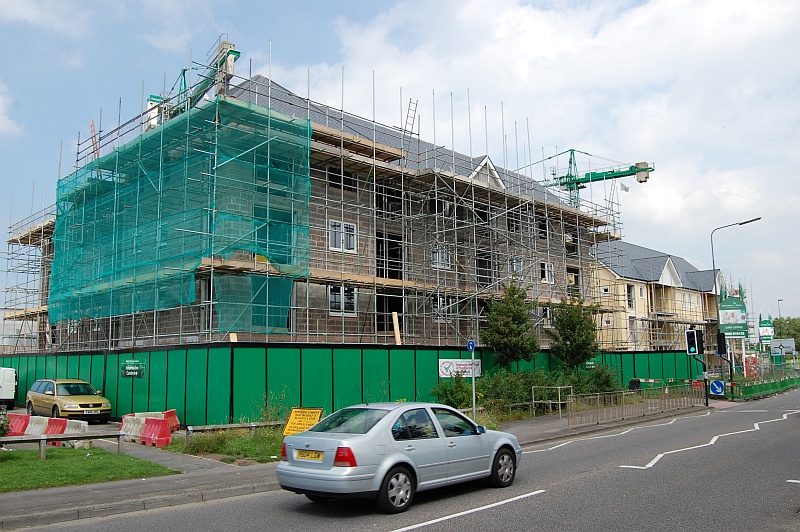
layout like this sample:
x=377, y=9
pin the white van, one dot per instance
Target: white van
x=8, y=387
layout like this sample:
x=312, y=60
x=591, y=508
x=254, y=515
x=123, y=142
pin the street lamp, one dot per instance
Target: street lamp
x=714, y=273
x=779, y=316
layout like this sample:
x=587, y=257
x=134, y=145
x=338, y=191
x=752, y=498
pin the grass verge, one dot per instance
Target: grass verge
x=234, y=444
x=23, y=470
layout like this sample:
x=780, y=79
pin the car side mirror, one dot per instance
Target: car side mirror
x=481, y=429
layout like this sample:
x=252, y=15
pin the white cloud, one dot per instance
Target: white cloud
x=8, y=126
x=68, y=18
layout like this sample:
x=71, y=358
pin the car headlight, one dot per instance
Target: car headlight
x=71, y=405
x=106, y=405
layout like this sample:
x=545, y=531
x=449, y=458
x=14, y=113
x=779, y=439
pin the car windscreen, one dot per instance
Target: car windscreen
x=350, y=421
x=76, y=388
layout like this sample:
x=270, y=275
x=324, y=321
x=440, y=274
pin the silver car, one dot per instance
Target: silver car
x=389, y=451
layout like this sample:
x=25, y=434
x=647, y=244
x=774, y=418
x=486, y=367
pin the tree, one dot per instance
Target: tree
x=509, y=332
x=787, y=328
x=574, y=333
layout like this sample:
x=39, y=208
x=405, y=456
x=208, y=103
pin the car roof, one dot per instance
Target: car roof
x=64, y=381
x=395, y=405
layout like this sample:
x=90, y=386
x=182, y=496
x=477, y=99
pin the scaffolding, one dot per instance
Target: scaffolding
x=264, y=216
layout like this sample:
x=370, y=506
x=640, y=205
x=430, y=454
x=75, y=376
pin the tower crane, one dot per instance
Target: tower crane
x=573, y=181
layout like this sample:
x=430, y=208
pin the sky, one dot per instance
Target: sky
x=708, y=91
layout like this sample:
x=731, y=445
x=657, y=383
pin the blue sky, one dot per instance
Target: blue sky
x=709, y=91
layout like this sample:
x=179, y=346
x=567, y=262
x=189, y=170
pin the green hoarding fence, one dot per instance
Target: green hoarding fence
x=230, y=383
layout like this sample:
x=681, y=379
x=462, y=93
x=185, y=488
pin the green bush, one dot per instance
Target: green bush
x=455, y=391
x=5, y=424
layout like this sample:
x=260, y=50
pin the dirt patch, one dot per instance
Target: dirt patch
x=226, y=459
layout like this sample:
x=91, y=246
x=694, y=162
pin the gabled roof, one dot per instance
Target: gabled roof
x=639, y=263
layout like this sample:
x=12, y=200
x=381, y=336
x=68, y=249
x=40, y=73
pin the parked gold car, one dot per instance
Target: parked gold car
x=67, y=398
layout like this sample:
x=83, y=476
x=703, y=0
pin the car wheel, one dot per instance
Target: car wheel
x=29, y=408
x=503, y=468
x=56, y=411
x=318, y=498
x=397, y=491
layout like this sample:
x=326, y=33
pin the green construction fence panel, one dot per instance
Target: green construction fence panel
x=196, y=386
x=427, y=373
x=641, y=366
x=51, y=368
x=218, y=395
x=176, y=383
x=111, y=380
x=157, y=370
x=283, y=375
x=124, y=399
x=401, y=375
x=40, y=371
x=140, y=386
x=249, y=383
x=316, y=383
x=347, y=378
x=376, y=375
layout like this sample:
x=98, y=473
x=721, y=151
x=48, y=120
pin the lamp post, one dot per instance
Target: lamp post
x=714, y=273
x=779, y=316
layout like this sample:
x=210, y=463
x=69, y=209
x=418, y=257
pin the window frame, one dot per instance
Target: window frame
x=440, y=257
x=547, y=273
x=344, y=238
x=342, y=294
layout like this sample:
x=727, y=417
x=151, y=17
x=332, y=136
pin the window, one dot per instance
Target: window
x=641, y=292
x=573, y=282
x=342, y=236
x=546, y=270
x=443, y=309
x=338, y=178
x=515, y=266
x=414, y=425
x=454, y=424
x=631, y=299
x=342, y=299
x=440, y=257
x=541, y=229
x=683, y=300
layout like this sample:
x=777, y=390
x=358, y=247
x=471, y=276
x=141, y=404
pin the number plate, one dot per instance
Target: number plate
x=90, y=412
x=308, y=455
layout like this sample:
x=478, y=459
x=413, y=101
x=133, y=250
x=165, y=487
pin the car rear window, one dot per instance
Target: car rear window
x=350, y=421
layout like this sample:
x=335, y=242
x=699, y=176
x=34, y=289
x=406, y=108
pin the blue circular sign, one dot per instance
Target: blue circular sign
x=717, y=388
x=471, y=345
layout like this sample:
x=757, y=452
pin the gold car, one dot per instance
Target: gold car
x=67, y=398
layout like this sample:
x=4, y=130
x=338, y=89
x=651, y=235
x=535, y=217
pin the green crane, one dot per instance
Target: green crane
x=574, y=181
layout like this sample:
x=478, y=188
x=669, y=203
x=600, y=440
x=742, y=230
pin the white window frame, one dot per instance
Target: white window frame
x=344, y=297
x=549, y=272
x=443, y=309
x=515, y=266
x=342, y=236
x=440, y=257
x=641, y=292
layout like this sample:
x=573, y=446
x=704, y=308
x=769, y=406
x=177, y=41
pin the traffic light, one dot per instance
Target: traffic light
x=691, y=342
x=700, y=347
x=722, y=344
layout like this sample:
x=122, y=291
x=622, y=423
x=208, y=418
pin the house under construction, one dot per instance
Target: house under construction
x=257, y=215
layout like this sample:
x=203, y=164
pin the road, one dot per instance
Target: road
x=731, y=469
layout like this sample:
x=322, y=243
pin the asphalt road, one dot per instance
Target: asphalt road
x=733, y=469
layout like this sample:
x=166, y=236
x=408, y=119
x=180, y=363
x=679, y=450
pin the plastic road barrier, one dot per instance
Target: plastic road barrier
x=18, y=422
x=36, y=426
x=55, y=425
x=132, y=426
x=156, y=432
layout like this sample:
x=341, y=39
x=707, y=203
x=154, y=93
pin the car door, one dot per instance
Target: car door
x=415, y=436
x=468, y=453
x=46, y=399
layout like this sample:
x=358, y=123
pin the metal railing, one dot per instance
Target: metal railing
x=44, y=439
x=598, y=408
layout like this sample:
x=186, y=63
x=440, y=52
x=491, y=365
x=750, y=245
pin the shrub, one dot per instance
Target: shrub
x=5, y=424
x=455, y=391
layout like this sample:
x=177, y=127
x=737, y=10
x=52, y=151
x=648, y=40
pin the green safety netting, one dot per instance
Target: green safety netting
x=228, y=180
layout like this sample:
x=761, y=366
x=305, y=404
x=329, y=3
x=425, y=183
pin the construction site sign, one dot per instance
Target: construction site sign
x=733, y=317
x=301, y=419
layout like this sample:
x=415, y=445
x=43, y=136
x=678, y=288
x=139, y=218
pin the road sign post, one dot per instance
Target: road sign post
x=471, y=347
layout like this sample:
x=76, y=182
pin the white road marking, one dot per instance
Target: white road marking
x=712, y=441
x=467, y=512
x=602, y=436
x=794, y=481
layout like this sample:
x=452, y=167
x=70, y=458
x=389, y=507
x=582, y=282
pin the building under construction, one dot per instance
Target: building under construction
x=237, y=210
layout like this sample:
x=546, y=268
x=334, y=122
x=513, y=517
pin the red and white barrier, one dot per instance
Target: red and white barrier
x=156, y=432
x=18, y=423
x=55, y=425
x=36, y=426
x=132, y=426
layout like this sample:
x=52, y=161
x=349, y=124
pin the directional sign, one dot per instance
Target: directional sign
x=717, y=388
x=471, y=345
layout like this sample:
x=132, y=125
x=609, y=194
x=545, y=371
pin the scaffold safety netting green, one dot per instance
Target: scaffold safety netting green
x=137, y=228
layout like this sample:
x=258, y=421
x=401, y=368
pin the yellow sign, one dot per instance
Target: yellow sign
x=301, y=419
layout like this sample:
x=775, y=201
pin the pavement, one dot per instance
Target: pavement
x=203, y=479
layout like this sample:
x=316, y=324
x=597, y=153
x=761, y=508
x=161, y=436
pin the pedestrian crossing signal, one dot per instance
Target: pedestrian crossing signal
x=691, y=342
